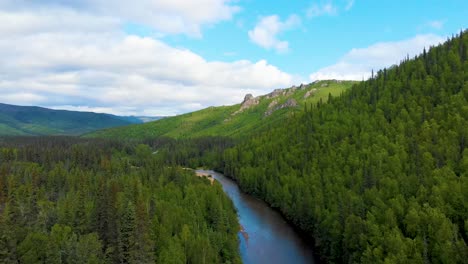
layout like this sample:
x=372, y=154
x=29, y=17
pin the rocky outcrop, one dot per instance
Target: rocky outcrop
x=282, y=92
x=289, y=92
x=248, y=102
x=310, y=93
x=247, y=97
x=275, y=93
x=289, y=103
x=251, y=101
x=274, y=106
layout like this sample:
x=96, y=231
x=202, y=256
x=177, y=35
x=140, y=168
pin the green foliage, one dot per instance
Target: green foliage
x=31, y=249
x=378, y=175
x=70, y=200
x=221, y=121
x=32, y=121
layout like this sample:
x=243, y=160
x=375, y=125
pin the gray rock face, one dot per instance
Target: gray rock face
x=310, y=93
x=247, y=98
x=289, y=103
x=275, y=93
x=274, y=107
x=282, y=92
x=272, y=104
x=248, y=102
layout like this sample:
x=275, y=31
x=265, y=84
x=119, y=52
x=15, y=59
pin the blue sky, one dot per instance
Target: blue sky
x=320, y=41
x=166, y=57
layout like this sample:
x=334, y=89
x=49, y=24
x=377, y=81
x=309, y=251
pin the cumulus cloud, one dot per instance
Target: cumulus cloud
x=265, y=33
x=358, y=63
x=166, y=16
x=52, y=20
x=75, y=60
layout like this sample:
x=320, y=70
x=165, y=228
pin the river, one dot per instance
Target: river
x=265, y=237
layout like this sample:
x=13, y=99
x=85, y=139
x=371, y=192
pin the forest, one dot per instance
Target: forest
x=71, y=200
x=376, y=175
x=379, y=174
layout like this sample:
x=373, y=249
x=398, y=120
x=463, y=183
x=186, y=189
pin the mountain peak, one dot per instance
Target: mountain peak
x=247, y=97
x=253, y=113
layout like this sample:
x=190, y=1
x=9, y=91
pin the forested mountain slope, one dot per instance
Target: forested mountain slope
x=254, y=114
x=69, y=200
x=33, y=121
x=380, y=174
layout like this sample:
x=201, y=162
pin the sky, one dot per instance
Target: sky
x=167, y=57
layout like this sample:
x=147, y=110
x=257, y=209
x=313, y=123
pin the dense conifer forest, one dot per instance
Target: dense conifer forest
x=376, y=175
x=380, y=174
x=70, y=200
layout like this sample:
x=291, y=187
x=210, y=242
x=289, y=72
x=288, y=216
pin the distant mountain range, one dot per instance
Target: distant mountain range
x=140, y=119
x=32, y=121
x=254, y=113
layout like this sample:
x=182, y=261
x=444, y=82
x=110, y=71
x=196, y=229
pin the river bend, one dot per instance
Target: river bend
x=265, y=237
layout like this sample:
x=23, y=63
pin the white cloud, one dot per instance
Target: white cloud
x=316, y=10
x=358, y=63
x=52, y=20
x=265, y=33
x=23, y=98
x=107, y=70
x=166, y=16
x=436, y=24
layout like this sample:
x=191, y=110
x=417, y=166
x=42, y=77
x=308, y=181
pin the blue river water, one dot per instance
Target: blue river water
x=265, y=237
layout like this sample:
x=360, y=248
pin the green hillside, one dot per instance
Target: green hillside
x=228, y=120
x=378, y=175
x=32, y=121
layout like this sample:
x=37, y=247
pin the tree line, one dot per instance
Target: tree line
x=379, y=174
x=71, y=200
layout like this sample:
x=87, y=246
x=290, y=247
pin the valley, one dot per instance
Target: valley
x=265, y=235
x=323, y=132
x=384, y=162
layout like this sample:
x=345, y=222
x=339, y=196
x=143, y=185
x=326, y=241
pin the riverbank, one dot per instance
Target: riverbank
x=205, y=175
x=308, y=238
x=265, y=236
